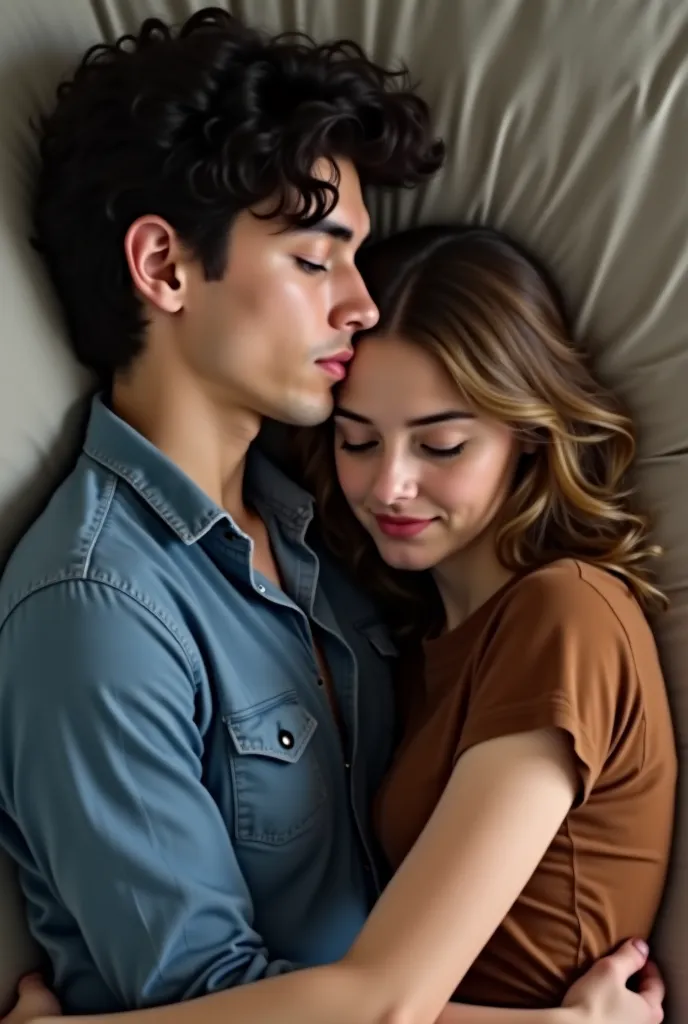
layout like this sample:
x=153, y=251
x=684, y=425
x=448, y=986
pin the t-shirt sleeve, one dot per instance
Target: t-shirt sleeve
x=558, y=657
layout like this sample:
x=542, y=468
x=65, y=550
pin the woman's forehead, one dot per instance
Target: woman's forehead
x=392, y=370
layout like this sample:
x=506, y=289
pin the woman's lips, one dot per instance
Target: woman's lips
x=401, y=526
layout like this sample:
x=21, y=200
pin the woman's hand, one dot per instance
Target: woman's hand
x=602, y=995
x=35, y=1001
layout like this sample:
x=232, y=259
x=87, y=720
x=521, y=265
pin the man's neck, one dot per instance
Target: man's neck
x=206, y=438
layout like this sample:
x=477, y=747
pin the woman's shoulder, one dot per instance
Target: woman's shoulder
x=577, y=595
x=582, y=619
x=574, y=582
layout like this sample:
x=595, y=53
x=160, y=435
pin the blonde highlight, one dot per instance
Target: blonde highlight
x=485, y=308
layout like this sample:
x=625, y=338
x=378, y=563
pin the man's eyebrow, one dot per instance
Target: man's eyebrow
x=421, y=421
x=328, y=226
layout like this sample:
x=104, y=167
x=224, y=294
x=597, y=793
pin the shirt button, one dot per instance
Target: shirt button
x=286, y=739
x=321, y=681
x=347, y=765
x=260, y=588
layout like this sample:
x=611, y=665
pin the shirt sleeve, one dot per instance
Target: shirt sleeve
x=559, y=657
x=101, y=767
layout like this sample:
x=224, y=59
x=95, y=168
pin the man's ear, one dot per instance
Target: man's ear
x=156, y=263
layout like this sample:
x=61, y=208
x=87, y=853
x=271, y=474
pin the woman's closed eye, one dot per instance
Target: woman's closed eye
x=365, y=446
x=444, y=453
x=434, y=452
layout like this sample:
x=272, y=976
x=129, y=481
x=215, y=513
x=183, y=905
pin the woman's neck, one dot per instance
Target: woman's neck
x=468, y=579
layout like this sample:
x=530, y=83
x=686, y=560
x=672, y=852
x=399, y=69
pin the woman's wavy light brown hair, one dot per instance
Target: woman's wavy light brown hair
x=486, y=309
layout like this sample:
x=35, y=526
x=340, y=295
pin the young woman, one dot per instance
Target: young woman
x=475, y=476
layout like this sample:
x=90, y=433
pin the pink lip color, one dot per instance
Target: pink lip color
x=398, y=526
x=335, y=368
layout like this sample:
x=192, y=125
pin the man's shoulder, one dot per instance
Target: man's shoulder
x=93, y=529
x=87, y=593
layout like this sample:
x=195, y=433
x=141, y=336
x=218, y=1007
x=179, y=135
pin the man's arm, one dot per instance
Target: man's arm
x=600, y=997
x=101, y=761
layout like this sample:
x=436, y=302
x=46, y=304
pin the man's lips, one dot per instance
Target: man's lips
x=335, y=366
x=401, y=526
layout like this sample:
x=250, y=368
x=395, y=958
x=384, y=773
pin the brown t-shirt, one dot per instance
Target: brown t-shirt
x=565, y=646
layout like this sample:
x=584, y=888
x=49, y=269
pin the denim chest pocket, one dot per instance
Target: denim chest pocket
x=279, y=788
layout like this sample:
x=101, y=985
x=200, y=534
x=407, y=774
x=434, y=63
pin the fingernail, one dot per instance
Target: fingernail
x=641, y=946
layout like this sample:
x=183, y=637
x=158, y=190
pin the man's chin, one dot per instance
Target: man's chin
x=306, y=413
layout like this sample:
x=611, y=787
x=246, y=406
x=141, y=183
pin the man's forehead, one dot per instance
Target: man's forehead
x=351, y=210
x=348, y=220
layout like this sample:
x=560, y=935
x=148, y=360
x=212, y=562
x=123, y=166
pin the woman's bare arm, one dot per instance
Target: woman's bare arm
x=500, y=811
x=601, y=996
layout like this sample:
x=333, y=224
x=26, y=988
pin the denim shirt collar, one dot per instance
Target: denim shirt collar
x=188, y=511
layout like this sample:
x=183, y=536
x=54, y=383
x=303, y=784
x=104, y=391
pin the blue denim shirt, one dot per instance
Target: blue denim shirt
x=173, y=784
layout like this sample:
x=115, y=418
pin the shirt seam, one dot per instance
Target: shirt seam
x=576, y=900
x=631, y=649
x=138, y=597
x=536, y=704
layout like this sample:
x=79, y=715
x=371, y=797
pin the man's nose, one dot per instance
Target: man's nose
x=357, y=311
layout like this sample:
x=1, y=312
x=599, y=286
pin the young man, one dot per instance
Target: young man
x=195, y=704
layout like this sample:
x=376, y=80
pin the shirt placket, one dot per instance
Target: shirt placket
x=301, y=566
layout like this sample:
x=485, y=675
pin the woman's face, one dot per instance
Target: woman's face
x=424, y=473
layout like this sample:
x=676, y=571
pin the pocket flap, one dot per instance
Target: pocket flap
x=279, y=728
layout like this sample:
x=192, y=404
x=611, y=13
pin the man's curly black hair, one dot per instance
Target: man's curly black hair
x=195, y=126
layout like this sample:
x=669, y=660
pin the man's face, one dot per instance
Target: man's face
x=273, y=336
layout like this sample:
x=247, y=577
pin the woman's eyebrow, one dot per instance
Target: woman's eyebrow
x=421, y=421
